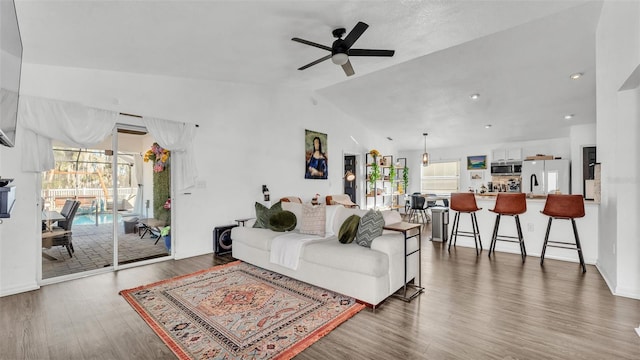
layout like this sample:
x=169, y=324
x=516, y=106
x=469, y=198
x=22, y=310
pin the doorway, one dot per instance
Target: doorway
x=588, y=160
x=350, y=183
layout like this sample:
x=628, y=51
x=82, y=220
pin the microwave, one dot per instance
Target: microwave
x=506, y=168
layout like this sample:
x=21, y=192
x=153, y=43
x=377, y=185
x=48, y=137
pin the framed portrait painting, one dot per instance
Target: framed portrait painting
x=478, y=162
x=315, y=154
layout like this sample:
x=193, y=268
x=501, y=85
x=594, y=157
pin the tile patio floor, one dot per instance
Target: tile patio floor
x=94, y=250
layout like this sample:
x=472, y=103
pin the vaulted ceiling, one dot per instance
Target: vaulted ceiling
x=517, y=55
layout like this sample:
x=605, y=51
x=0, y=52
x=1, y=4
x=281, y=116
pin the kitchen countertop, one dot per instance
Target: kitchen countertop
x=534, y=197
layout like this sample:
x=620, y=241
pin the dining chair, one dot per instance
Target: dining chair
x=418, y=208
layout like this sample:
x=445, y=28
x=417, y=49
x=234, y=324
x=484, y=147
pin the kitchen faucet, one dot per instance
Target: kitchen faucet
x=533, y=181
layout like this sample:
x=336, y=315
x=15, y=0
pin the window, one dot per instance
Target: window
x=440, y=178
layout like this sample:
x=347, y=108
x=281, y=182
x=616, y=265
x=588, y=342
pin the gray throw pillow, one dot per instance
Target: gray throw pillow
x=370, y=228
x=263, y=214
x=348, y=229
x=282, y=221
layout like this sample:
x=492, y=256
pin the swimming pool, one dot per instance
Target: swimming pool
x=91, y=219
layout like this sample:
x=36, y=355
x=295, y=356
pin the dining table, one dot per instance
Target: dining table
x=50, y=216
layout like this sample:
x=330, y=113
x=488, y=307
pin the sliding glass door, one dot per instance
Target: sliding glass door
x=143, y=193
x=121, y=208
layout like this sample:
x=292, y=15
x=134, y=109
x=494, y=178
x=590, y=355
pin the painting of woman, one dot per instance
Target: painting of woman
x=316, y=164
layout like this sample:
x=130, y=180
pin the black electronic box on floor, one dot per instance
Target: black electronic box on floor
x=222, y=239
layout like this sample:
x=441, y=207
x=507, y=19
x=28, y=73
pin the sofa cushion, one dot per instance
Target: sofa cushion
x=342, y=213
x=254, y=237
x=263, y=214
x=348, y=230
x=332, y=210
x=370, y=228
x=296, y=209
x=313, y=219
x=347, y=257
x=391, y=217
x=282, y=221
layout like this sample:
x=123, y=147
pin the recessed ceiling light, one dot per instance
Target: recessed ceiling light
x=569, y=116
x=474, y=96
x=576, y=76
x=488, y=126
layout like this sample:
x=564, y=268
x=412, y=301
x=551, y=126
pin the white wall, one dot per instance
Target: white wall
x=248, y=136
x=617, y=56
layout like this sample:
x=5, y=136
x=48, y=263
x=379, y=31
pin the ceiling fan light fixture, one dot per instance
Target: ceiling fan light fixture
x=340, y=58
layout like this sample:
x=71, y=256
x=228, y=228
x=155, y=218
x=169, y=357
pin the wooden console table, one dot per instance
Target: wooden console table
x=405, y=228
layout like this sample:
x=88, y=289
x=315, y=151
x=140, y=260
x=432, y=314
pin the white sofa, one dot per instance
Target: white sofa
x=367, y=274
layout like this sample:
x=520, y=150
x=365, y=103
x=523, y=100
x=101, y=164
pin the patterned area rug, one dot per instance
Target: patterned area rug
x=239, y=311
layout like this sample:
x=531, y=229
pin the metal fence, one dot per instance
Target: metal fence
x=54, y=198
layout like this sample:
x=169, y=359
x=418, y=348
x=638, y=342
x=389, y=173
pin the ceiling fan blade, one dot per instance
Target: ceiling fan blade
x=348, y=69
x=306, y=42
x=316, y=62
x=355, y=33
x=369, y=52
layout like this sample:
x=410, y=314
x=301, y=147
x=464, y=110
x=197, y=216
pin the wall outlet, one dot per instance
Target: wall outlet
x=530, y=227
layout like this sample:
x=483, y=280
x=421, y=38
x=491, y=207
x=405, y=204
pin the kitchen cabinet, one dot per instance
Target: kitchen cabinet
x=499, y=155
x=506, y=154
x=514, y=154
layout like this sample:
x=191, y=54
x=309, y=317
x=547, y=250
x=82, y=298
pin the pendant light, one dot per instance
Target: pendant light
x=425, y=156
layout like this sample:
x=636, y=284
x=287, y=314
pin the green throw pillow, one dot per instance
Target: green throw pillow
x=282, y=221
x=370, y=228
x=348, y=229
x=263, y=214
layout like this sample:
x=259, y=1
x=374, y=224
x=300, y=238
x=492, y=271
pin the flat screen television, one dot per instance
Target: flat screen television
x=10, y=67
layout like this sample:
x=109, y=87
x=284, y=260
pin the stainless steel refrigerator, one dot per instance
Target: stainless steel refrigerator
x=543, y=177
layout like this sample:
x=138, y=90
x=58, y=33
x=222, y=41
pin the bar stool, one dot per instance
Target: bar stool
x=565, y=207
x=509, y=205
x=465, y=203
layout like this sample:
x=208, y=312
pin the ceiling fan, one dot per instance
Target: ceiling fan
x=341, y=48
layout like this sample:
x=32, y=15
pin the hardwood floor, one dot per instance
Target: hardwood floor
x=473, y=308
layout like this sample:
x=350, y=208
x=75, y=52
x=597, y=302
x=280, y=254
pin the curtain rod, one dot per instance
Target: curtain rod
x=138, y=116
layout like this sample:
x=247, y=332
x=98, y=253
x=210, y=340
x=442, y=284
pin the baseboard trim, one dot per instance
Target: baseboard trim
x=19, y=289
x=628, y=293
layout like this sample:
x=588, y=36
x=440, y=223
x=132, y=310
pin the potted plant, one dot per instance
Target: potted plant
x=166, y=234
x=392, y=177
x=375, y=171
x=405, y=178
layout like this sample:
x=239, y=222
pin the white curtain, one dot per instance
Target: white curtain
x=178, y=138
x=44, y=120
x=136, y=160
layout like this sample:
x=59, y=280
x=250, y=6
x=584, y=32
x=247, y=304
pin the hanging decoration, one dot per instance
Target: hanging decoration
x=159, y=156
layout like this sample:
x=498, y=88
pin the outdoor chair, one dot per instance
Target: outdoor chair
x=65, y=239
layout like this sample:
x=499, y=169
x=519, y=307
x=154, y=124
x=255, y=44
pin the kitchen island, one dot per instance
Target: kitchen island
x=534, y=227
